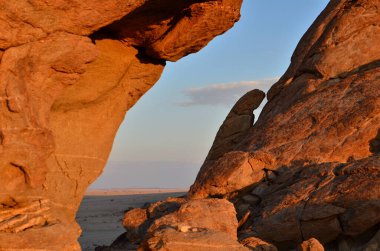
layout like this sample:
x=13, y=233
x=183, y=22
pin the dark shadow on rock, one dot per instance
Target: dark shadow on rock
x=374, y=144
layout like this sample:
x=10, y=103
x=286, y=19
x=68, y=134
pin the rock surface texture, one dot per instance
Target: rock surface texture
x=306, y=175
x=310, y=166
x=69, y=71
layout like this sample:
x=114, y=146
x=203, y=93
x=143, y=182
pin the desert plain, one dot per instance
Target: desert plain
x=101, y=212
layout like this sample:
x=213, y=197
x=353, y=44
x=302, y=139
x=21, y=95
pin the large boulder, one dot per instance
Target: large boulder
x=201, y=214
x=181, y=225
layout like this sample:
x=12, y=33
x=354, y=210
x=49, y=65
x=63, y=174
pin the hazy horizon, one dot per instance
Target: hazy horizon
x=169, y=131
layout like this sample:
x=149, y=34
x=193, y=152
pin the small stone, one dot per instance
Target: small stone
x=184, y=229
x=310, y=245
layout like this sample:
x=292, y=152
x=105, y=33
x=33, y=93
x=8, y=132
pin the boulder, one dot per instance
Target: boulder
x=178, y=224
x=201, y=214
x=133, y=222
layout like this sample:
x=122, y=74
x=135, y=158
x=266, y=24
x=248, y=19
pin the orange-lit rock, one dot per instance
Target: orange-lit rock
x=256, y=244
x=181, y=28
x=178, y=224
x=311, y=161
x=68, y=74
x=310, y=245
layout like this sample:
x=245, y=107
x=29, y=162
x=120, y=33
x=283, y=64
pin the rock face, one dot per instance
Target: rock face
x=310, y=166
x=307, y=173
x=69, y=71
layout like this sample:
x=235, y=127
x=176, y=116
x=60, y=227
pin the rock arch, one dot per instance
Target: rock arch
x=69, y=72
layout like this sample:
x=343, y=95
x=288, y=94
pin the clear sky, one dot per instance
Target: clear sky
x=167, y=134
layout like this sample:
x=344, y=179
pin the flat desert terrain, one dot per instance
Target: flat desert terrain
x=101, y=212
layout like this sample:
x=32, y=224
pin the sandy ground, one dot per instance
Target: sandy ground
x=101, y=212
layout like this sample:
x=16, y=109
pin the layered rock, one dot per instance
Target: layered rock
x=307, y=173
x=69, y=72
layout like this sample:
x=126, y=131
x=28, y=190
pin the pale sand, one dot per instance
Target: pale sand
x=101, y=212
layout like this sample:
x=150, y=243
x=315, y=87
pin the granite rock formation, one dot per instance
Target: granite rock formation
x=307, y=172
x=69, y=71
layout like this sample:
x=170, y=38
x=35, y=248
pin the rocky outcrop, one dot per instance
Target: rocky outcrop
x=309, y=167
x=161, y=30
x=180, y=224
x=307, y=173
x=324, y=201
x=69, y=72
x=237, y=124
x=196, y=225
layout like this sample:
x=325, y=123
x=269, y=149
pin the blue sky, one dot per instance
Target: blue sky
x=167, y=134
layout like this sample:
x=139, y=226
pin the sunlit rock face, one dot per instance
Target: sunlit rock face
x=310, y=166
x=69, y=71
